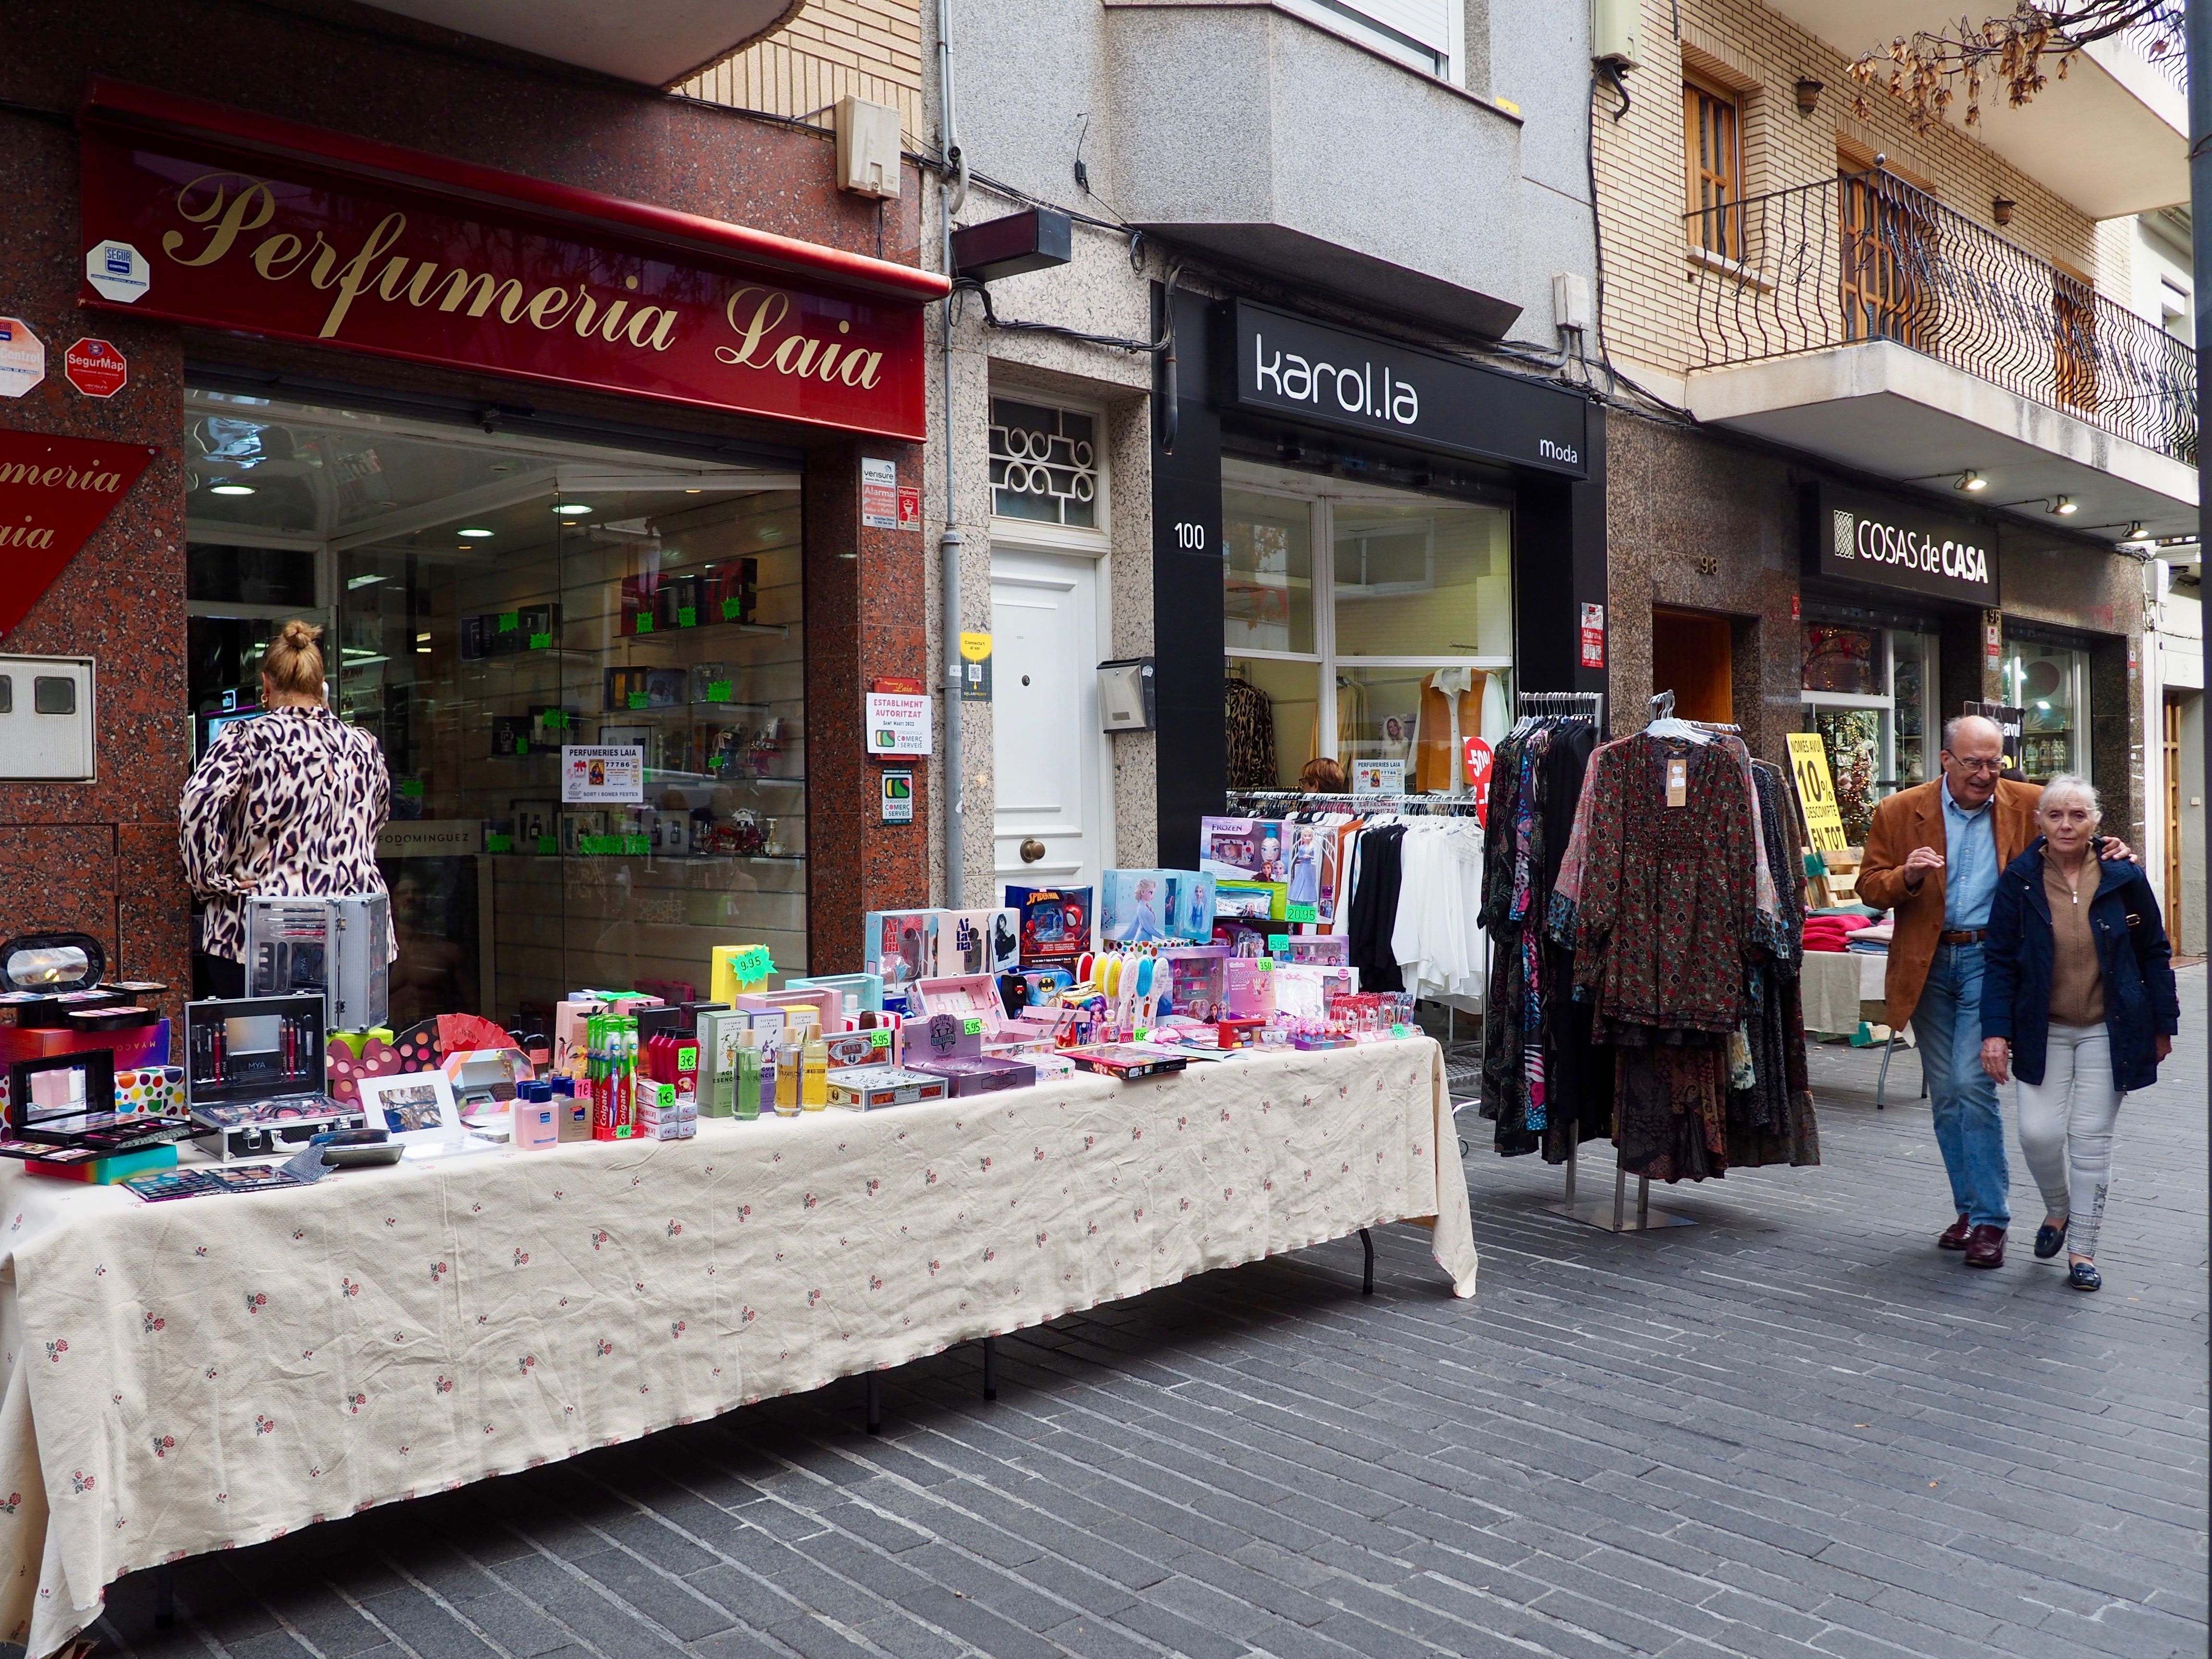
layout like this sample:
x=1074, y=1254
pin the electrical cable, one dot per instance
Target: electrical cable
x=1597, y=253
x=1114, y=342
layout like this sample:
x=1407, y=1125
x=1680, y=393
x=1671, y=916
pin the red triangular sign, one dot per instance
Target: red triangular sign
x=54, y=493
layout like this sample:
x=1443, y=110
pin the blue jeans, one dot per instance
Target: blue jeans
x=1968, y=1127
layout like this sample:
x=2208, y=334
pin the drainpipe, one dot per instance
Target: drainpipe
x=952, y=786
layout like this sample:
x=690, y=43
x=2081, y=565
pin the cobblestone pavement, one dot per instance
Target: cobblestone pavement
x=1793, y=1429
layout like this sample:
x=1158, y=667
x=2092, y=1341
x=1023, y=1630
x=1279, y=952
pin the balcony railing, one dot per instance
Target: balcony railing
x=1866, y=256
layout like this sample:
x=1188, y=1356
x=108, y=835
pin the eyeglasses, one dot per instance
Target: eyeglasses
x=1966, y=764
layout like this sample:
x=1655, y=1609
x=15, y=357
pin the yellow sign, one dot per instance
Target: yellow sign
x=974, y=668
x=1816, y=789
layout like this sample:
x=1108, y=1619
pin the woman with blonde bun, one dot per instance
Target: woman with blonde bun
x=287, y=803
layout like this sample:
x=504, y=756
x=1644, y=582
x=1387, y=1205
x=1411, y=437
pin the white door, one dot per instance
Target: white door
x=1048, y=751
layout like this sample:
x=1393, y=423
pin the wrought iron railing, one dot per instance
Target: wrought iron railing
x=1866, y=256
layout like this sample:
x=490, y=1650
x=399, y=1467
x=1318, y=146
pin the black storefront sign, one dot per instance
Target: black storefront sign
x=1898, y=547
x=1293, y=368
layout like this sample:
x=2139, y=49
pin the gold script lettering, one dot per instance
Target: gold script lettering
x=283, y=248
x=229, y=213
x=485, y=287
x=771, y=311
x=355, y=277
x=546, y=306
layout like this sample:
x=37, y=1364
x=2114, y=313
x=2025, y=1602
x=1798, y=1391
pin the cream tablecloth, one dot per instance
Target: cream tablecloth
x=1835, y=986
x=199, y=1375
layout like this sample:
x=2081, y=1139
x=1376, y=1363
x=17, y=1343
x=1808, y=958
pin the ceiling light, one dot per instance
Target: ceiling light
x=421, y=650
x=230, y=489
x=419, y=638
x=2065, y=506
x=690, y=492
x=1971, y=480
x=571, y=509
x=473, y=535
x=369, y=580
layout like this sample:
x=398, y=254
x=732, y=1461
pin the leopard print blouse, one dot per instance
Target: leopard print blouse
x=287, y=803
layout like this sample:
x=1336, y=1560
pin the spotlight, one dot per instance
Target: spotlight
x=571, y=509
x=1972, y=481
x=230, y=489
x=473, y=535
x=2065, y=506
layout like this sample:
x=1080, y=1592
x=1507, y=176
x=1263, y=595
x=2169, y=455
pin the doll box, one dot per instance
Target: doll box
x=1054, y=922
x=1245, y=849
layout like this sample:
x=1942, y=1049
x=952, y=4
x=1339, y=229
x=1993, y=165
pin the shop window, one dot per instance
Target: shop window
x=1712, y=143
x=2050, y=682
x=1045, y=465
x=1398, y=647
x=494, y=601
x=1868, y=691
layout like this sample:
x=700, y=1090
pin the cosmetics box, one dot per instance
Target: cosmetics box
x=1249, y=987
x=732, y=591
x=867, y=1088
x=1128, y=1061
x=900, y=946
x=876, y=1048
x=977, y=941
x=866, y=989
x=679, y=604
x=975, y=995
x=979, y=1076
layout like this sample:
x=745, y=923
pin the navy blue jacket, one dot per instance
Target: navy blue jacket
x=2140, y=998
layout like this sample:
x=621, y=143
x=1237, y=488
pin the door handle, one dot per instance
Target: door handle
x=1032, y=850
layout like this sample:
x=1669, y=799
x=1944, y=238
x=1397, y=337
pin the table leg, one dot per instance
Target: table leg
x=990, y=1368
x=1367, y=1279
x=875, y=1402
x=165, y=1596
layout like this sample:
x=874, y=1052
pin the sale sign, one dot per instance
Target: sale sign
x=1480, y=762
x=95, y=368
x=54, y=493
x=215, y=217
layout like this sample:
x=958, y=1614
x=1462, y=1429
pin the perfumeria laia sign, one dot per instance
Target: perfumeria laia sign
x=1872, y=541
x=1291, y=366
x=214, y=217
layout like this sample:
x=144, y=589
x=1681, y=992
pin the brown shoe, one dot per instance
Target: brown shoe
x=1985, y=1246
x=1954, y=1236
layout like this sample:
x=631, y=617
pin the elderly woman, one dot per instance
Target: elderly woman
x=2079, y=1000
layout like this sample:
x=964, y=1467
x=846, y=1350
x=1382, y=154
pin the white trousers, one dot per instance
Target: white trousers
x=2066, y=1130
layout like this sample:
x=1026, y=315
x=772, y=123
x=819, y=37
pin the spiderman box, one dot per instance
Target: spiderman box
x=1055, y=923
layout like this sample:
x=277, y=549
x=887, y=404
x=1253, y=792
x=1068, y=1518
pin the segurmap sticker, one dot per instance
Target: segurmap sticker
x=22, y=357
x=95, y=368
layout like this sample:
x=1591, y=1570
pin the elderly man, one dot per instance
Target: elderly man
x=1932, y=857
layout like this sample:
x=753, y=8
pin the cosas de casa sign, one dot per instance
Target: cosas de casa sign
x=1851, y=535
x=212, y=217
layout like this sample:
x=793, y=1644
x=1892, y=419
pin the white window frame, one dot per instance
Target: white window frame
x=1031, y=532
x=1441, y=62
x=1321, y=500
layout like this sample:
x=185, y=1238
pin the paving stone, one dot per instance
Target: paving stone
x=1795, y=1431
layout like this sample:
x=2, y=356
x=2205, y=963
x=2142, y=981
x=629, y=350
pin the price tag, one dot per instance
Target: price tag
x=540, y=641
x=522, y=746
x=751, y=965
x=411, y=787
x=556, y=719
x=1302, y=913
x=495, y=842
x=1678, y=780
x=1278, y=945
x=687, y=616
x=645, y=622
x=509, y=620
x=731, y=609
x=880, y=1037
x=639, y=700
x=548, y=846
x=973, y=1026
x=718, y=690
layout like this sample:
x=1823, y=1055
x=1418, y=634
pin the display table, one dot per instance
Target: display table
x=1834, y=985
x=214, y=1372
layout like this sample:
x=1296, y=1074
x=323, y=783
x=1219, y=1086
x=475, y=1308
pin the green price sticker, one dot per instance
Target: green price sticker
x=645, y=622
x=687, y=616
x=413, y=788
x=732, y=609
x=1278, y=945
x=687, y=1058
x=639, y=700
x=548, y=846
x=1302, y=913
x=522, y=746
x=973, y=1026
x=509, y=620
x=495, y=842
x=556, y=719
x=634, y=847
x=1401, y=1030
x=540, y=641
x=751, y=965
x=880, y=1038
x=718, y=690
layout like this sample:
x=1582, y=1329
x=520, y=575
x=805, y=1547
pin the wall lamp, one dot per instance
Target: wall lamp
x=1809, y=94
x=2001, y=209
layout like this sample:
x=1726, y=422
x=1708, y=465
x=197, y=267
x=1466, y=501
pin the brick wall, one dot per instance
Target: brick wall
x=1743, y=47
x=871, y=49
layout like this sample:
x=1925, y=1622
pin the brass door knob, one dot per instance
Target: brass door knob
x=1032, y=850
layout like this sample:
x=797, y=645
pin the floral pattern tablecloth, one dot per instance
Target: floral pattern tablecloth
x=214, y=1372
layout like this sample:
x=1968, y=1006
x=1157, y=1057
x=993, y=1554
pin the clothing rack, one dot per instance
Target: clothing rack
x=1540, y=703
x=1266, y=800
x=1595, y=1211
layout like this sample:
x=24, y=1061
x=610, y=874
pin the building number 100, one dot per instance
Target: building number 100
x=1190, y=538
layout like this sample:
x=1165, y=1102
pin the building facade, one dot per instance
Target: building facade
x=579, y=414
x=1909, y=434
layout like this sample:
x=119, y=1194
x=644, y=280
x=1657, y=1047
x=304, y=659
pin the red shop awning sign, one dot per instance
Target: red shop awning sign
x=210, y=216
x=54, y=493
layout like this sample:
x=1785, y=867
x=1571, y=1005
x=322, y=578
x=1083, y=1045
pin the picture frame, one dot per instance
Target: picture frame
x=416, y=1108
